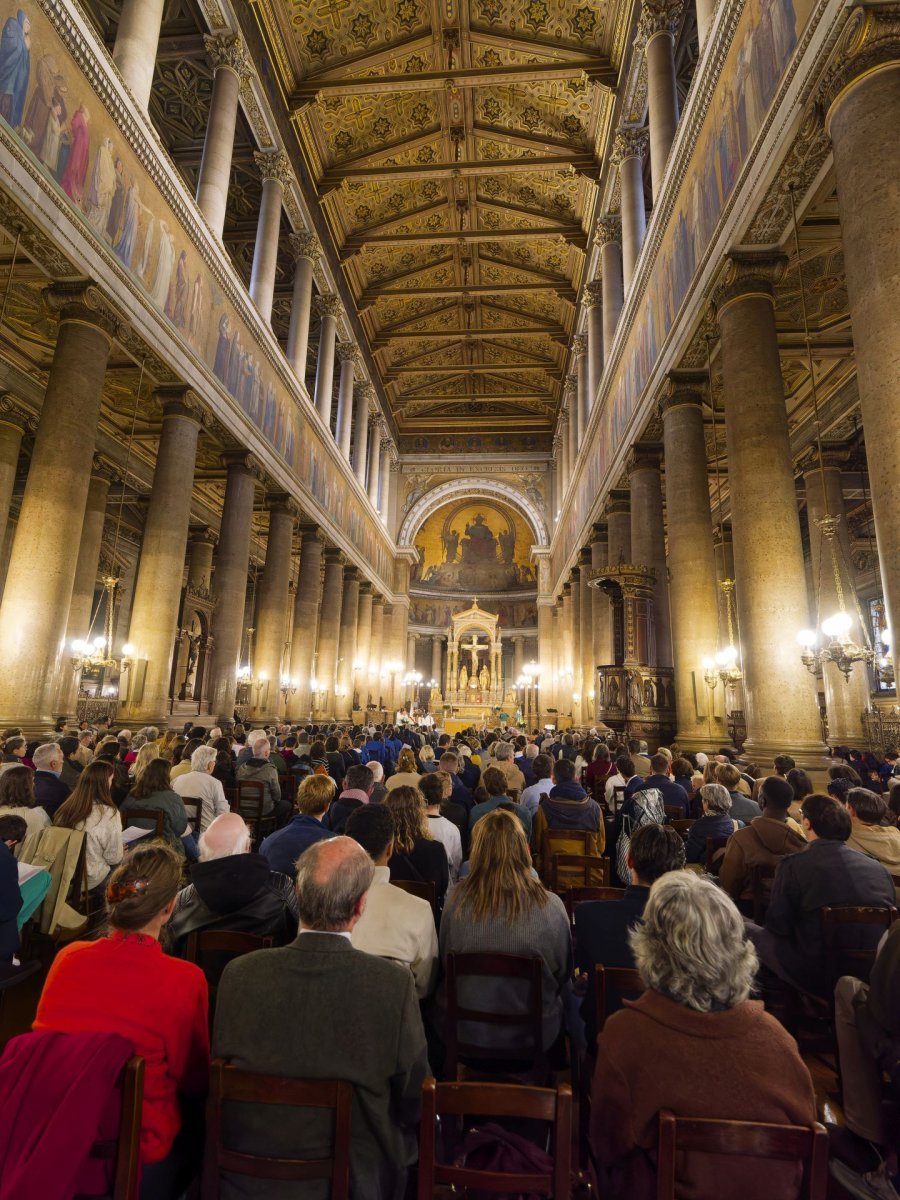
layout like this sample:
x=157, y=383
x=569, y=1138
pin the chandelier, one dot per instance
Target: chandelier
x=97, y=655
x=831, y=641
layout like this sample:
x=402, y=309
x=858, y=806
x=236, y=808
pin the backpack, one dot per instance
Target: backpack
x=490, y=1147
x=649, y=810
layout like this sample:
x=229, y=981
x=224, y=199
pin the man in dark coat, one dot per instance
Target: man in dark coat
x=360, y=1023
x=49, y=790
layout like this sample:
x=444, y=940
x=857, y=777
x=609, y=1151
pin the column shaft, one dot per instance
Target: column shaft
x=384, y=471
x=377, y=653
x=545, y=656
x=218, y=146
x=137, y=41
x=329, y=629
x=374, y=461
x=586, y=638
x=648, y=547
x=361, y=432
x=573, y=424
x=157, y=592
x=662, y=98
x=867, y=168
x=305, y=247
x=10, y=445
x=584, y=395
x=306, y=616
x=349, y=619
x=272, y=611
x=329, y=310
x=609, y=235
x=363, y=643
x=595, y=345
x=693, y=594
x=630, y=145
x=601, y=641
x=232, y=559
x=53, y=506
x=437, y=648
x=268, y=229
x=200, y=557
x=779, y=695
x=347, y=354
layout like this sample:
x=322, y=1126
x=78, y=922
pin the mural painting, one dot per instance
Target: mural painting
x=53, y=111
x=512, y=614
x=474, y=546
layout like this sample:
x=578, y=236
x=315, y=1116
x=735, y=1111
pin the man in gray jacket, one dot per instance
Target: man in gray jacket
x=319, y=1009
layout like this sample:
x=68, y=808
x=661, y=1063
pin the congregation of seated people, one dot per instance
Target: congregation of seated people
x=385, y=880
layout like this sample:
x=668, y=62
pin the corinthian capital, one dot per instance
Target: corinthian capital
x=274, y=164
x=609, y=229
x=870, y=39
x=631, y=141
x=579, y=344
x=228, y=50
x=658, y=16
x=305, y=245
x=329, y=305
x=571, y=384
x=748, y=272
x=593, y=293
x=348, y=352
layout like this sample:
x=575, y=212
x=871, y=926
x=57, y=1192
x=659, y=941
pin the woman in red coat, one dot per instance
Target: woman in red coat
x=693, y=1043
x=125, y=983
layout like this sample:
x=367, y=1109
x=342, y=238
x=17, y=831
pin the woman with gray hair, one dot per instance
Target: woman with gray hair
x=715, y=822
x=695, y=1044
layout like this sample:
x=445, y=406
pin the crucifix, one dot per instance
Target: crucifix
x=473, y=647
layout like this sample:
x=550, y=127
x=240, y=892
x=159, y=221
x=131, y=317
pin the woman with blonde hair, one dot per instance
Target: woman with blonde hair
x=417, y=855
x=501, y=907
x=695, y=1044
x=427, y=760
x=406, y=774
x=147, y=753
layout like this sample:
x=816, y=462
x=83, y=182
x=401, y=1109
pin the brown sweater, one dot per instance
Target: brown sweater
x=739, y=1065
x=763, y=843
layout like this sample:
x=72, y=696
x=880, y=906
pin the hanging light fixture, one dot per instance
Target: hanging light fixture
x=830, y=641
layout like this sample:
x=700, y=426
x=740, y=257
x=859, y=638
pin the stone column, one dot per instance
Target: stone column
x=861, y=97
x=42, y=562
x=201, y=544
x=375, y=460
x=329, y=308
x=581, y=396
x=348, y=357
x=628, y=154
x=575, y=617
x=306, y=250
x=399, y=622
x=349, y=619
x=594, y=361
x=566, y=668
x=657, y=28
x=586, y=636
x=706, y=10
x=377, y=654
x=609, y=238
x=562, y=431
x=648, y=539
x=232, y=559
x=231, y=65
x=601, y=620
x=693, y=594
x=384, y=471
x=137, y=42
x=389, y=501
x=306, y=615
x=363, y=643
x=272, y=622
x=14, y=419
x=545, y=656
x=86, y=571
x=518, y=656
x=364, y=394
x=571, y=387
x=437, y=654
x=157, y=591
x=275, y=169
x=329, y=628
x=779, y=694
x=845, y=699
x=618, y=523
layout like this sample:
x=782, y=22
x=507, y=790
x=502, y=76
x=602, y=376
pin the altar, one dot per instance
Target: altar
x=473, y=686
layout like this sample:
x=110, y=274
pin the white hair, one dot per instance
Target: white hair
x=214, y=734
x=532, y=751
x=502, y=751
x=377, y=770
x=716, y=797
x=226, y=835
x=202, y=757
x=261, y=747
x=45, y=755
x=254, y=736
x=690, y=945
x=151, y=733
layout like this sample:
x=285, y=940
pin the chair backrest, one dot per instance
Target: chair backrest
x=851, y=936
x=578, y=870
x=193, y=806
x=750, y=1139
x=580, y=895
x=213, y=949
x=761, y=877
x=118, y=1145
x=249, y=799
x=614, y=983
x=618, y=797
x=493, y=1100
x=562, y=841
x=713, y=846
x=288, y=783
x=423, y=888
x=149, y=814
x=529, y=1021
x=683, y=827
x=674, y=812
x=598, y=791
x=228, y=1083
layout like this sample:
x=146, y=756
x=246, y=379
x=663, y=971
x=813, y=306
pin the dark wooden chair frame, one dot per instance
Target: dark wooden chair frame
x=588, y=864
x=493, y=966
x=612, y=979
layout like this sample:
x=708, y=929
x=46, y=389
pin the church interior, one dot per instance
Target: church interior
x=473, y=372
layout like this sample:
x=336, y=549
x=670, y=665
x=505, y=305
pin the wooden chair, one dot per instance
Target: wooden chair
x=578, y=870
x=611, y=983
x=140, y=816
x=213, y=949
x=494, y=1100
x=423, y=888
x=750, y=1139
x=581, y=895
x=674, y=812
x=288, y=787
x=713, y=846
x=125, y=1149
x=683, y=827
x=851, y=937
x=618, y=797
x=528, y=1055
x=249, y=801
x=18, y=998
x=228, y=1084
x=194, y=809
x=562, y=841
x=761, y=887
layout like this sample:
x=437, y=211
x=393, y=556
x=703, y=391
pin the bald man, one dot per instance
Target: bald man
x=320, y=1009
x=233, y=888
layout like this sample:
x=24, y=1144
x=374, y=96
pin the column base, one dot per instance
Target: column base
x=708, y=742
x=32, y=727
x=810, y=756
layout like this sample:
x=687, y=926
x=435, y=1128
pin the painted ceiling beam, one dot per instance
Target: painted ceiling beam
x=384, y=339
x=370, y=295
x=574, y=163
x=571, y=233
x=595, y=70
x=489, y=397
x=546, y=365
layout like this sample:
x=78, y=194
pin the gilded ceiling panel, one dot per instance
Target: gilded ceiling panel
x=355, y=126
x=327, y=32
